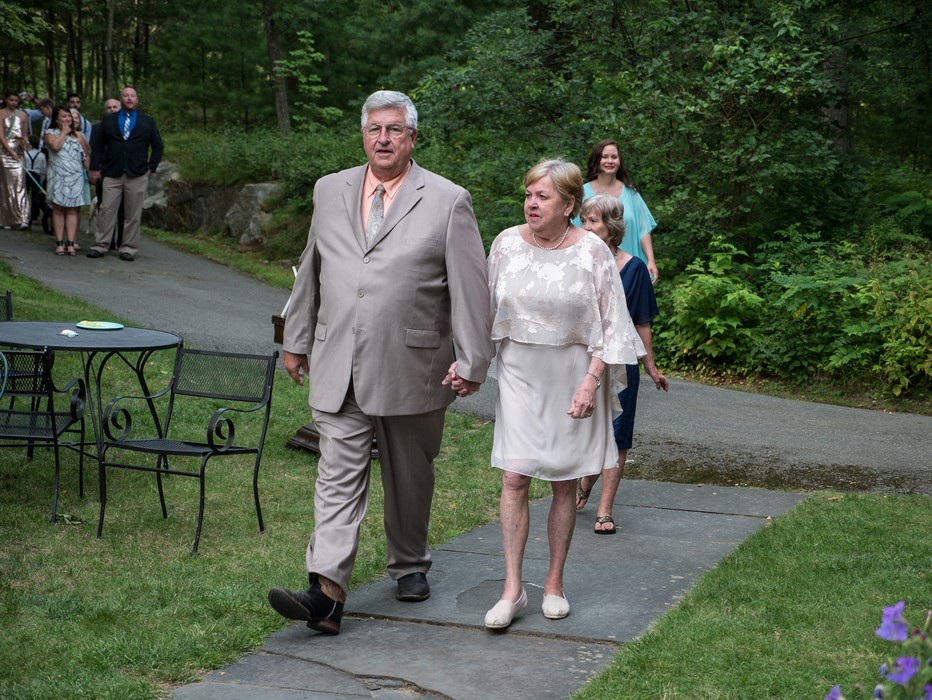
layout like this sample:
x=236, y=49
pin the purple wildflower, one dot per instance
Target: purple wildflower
x=834, y=693
x=906, y=667
x=893, y=627
x=928, y=692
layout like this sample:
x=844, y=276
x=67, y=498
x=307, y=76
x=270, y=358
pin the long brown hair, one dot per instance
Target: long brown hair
x=56, y=110
x=595, y=159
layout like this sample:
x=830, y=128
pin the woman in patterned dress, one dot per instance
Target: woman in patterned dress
x=559, y=315
x=69, y=155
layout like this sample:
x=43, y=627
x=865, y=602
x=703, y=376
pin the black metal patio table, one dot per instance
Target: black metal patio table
x=132, y=346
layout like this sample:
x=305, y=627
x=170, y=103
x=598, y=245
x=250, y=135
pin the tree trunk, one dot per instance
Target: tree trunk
x=836, y=63
x=50, y=86
x=79, y=85
x=140, y=49
x=281, y=87
x=70, y=59
x=108, y=50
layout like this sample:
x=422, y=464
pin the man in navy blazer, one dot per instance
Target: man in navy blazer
x=124, y=150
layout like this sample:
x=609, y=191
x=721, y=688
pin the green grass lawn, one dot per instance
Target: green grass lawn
x=789, y=613
x=792, y=611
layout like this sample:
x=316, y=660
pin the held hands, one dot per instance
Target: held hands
x=296, y=366
x=462, y=387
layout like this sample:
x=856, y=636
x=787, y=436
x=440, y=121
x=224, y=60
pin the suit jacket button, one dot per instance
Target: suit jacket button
x=360, y=294
x=366, y=260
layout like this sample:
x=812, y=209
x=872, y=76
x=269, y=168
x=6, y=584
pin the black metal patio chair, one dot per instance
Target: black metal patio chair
x=216, y=386
x=6, y=306
x=4, y=371
x=34, y=419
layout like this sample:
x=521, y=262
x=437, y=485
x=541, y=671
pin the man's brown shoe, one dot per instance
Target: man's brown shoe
x=321, y=613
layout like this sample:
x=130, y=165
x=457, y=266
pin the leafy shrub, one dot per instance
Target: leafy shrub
x=804, y=307
x=715, y=311
x=811, y=297
x=846, y=311
x=899, y=295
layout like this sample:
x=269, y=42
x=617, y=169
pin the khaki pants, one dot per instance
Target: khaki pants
x=132, y=192
x=407, y=448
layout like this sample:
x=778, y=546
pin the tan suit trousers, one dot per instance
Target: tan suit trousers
x=133, y=193
x=408, y=446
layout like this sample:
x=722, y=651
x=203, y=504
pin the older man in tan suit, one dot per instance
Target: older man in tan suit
x=394, y=272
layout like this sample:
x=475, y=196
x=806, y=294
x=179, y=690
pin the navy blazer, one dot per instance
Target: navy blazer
x=114, y=156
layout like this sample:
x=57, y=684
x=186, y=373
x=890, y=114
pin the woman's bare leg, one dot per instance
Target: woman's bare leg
x=515, y=515
x=560, y=524
x=611, y=480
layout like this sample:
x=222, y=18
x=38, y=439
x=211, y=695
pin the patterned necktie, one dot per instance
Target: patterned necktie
x=126, y=128
x=376, y=212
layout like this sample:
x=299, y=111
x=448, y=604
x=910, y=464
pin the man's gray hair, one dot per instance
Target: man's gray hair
x=383, y=99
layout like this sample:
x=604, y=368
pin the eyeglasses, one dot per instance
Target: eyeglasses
x=393, y=130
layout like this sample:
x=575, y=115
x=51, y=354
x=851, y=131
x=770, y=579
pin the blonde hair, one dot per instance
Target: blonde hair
x=612, y=212
x=567, y=179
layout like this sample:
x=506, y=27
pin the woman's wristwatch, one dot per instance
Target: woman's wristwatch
x=598, y=382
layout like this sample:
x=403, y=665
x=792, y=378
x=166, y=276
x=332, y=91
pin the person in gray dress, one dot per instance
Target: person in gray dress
x=14, y=128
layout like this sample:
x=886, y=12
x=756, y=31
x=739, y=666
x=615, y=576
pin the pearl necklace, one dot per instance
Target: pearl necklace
x=563, y=238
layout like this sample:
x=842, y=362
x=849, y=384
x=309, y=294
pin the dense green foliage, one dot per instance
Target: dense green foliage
x=803, y=307
x=784, y=148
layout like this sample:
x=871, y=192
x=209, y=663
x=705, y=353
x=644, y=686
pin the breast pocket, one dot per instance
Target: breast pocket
x=422, y=339
x=422, y=241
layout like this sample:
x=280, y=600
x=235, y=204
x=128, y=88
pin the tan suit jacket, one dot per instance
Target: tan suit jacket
x=386, y=317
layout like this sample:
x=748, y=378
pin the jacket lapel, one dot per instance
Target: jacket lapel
x=352, y=201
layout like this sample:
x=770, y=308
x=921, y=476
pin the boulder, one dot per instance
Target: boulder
x=246, y=218
x=192, y=207
x=155, y=206
x=176, y=205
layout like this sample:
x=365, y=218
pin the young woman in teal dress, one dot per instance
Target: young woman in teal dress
x=606, y=174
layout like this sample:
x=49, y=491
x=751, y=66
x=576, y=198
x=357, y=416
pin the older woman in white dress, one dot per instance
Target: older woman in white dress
x=560, y=317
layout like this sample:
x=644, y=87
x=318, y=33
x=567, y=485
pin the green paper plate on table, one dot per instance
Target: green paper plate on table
x=99, y=325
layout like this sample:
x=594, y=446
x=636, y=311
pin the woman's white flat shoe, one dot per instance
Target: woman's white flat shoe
x=504, y=611
x=555, y=607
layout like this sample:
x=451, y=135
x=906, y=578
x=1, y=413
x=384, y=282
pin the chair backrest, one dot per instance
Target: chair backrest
x=4, y=370
x=6, y=306
x=224, y=375
x=29, y=373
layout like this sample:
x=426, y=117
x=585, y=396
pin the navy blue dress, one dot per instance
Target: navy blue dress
x=642, y=305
